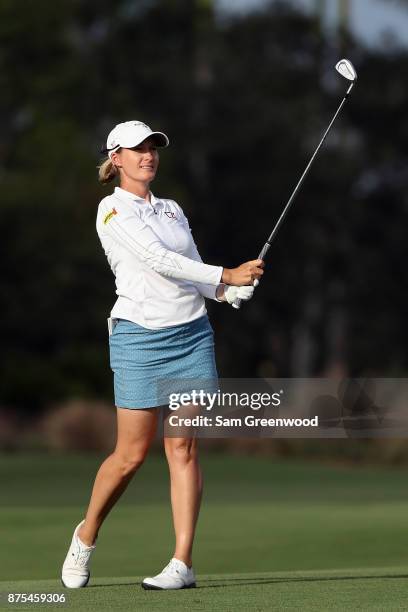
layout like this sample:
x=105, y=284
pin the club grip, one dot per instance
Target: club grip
x=237, y=303
x=265, y=249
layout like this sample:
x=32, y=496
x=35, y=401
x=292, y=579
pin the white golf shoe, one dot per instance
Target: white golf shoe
x=176, y=575
x=75, y=571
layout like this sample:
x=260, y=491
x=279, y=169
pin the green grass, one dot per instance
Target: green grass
x=271, y=535
x=363, y=589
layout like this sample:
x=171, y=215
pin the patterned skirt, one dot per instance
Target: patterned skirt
x=149, y=364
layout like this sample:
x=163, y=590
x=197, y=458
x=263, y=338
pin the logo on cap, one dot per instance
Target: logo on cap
x=142, y=124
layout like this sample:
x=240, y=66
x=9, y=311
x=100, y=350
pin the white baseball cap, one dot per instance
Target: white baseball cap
x=131, y=133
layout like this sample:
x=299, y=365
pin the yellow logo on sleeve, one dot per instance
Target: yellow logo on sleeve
x=109, y=215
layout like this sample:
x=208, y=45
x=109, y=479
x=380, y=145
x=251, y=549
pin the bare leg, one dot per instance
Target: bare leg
x=186, y=492
x=136, y=429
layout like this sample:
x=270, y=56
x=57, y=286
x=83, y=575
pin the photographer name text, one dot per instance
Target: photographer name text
x=248, y=421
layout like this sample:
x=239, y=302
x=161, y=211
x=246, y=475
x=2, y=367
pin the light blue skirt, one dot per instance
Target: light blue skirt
x=149, y=364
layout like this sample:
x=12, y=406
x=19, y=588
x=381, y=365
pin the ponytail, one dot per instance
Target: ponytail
x=107, y=171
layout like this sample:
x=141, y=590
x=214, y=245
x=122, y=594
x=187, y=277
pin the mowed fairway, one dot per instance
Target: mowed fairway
x=271, y=536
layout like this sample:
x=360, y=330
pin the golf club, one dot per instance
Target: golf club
x=347, y=70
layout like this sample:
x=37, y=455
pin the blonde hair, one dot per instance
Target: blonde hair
x=107, y=171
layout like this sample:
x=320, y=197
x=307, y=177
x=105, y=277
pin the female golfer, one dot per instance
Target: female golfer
x=158, y=329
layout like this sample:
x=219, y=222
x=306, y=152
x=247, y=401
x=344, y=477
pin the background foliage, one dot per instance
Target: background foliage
x=244, y=101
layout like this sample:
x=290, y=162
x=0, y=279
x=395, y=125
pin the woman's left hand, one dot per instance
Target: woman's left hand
x=231, y=293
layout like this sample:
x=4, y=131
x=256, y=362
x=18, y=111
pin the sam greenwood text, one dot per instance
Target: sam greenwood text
x=249, y=421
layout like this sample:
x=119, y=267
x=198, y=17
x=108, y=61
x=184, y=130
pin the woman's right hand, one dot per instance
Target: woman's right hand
x=245, y=274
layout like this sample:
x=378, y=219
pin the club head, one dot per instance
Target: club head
x=346, y=69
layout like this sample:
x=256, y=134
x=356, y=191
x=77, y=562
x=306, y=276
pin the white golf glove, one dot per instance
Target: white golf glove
x=245, y=293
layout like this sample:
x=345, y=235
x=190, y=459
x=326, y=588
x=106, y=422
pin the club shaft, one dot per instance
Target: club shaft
x=267, y=245
x=307, y=169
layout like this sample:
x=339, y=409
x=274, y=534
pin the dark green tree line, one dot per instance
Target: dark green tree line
x=244, y=101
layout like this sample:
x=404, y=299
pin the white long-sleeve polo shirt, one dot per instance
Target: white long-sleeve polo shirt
x=160, y=276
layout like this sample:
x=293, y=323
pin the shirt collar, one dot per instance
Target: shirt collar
x=122, y=193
